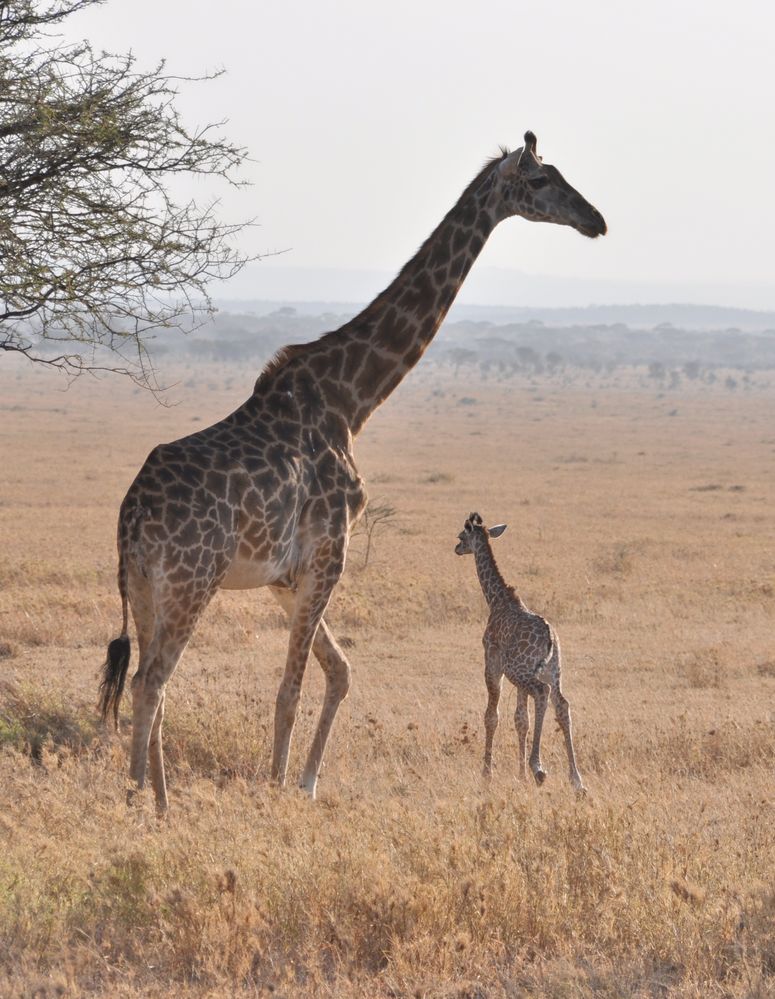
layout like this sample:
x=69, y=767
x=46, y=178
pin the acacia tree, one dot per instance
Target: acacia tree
x=95, y=251
x=374, y=515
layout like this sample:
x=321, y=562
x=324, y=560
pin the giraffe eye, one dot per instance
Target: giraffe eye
x=538, y=182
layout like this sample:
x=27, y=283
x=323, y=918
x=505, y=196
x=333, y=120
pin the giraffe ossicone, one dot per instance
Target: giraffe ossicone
x=523, y=647
x=269, y=495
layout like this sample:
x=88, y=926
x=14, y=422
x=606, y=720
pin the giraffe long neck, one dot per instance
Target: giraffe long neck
x=493, y=584
x=358, y=366
x=395, y=330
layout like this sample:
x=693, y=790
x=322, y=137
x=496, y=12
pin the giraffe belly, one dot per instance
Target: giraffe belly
x=249, y=574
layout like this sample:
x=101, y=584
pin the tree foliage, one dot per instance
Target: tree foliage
x=95, y=251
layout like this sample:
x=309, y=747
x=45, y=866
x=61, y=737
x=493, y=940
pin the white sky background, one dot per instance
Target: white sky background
x=366, y=120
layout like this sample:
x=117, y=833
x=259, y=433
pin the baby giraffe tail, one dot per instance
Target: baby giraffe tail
x=546, y=670
x=115, y=667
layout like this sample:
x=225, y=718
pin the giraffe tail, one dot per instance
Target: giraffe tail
x=544, y=671
x=115, y=667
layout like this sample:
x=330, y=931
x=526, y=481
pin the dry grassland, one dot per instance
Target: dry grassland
x=641, y=525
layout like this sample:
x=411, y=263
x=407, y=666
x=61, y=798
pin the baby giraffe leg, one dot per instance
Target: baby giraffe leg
x=541, y=699
x=562, y=713
x=494, y=680
x=522, y=723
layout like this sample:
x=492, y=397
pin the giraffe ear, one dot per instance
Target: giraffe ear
x=495, y=532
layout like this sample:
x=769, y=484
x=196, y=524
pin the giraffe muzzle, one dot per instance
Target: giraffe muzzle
x=596, y=227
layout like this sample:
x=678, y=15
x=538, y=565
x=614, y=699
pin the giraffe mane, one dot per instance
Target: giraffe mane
x=286, y=354
x=280, y=358
x=484, y=172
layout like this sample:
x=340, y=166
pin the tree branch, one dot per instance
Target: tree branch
x=94, y=249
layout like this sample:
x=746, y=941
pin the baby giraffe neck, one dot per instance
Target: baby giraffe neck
x=492, y=583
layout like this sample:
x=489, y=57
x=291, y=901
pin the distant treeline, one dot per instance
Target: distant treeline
x=534, y=345
x=529, y=346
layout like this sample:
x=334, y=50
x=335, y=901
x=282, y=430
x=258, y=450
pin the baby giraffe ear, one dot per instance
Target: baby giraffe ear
x=495, y=532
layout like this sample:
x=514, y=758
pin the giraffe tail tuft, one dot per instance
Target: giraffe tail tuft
x=114, y=672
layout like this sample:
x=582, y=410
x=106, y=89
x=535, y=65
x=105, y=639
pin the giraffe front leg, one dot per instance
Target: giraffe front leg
x=522, y=723
x=336, y=669
x=494, y=680
x=337, y=672
x=541, y=699
x=311, y=598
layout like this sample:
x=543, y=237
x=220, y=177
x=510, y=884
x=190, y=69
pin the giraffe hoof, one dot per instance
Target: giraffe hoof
x=540, y=776
x=309, y=787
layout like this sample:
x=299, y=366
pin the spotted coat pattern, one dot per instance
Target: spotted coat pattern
x=523, y=647
x=269, y=495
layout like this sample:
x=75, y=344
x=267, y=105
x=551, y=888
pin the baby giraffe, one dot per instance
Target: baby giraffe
x=523, y=647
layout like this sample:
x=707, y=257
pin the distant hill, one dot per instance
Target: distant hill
x=275, y=279
x=686, y=316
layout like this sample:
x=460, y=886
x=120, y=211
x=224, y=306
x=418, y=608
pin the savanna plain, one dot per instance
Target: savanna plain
x=641, y=523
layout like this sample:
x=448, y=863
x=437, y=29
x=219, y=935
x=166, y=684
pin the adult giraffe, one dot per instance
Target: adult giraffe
x=269, y=495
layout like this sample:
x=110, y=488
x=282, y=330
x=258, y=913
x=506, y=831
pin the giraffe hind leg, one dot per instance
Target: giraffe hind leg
x=156, y=760
x=540, y=694
x=141, y=602
x=157, y=664
x=562, y=713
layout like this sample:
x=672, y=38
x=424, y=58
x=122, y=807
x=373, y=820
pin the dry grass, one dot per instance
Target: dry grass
x=409, y=876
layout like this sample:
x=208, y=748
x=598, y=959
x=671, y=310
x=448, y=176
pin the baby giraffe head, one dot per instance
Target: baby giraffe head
x=474, y=533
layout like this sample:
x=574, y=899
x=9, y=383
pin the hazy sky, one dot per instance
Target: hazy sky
x=366, y=120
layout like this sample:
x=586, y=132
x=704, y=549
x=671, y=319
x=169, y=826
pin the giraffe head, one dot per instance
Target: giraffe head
x=525, y=185
x=474, y=532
